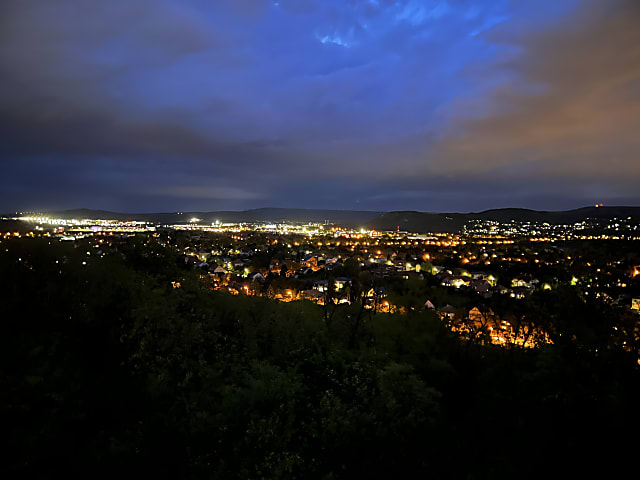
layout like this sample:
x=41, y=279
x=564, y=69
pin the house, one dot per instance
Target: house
x=313, y=295
x=501, y=332
x=483, y=318
x=374, y=298
x=321, y=285
x=519, y=293
x=448, y=311
x=478, y=275
x=376, y=292
x=481, y=315
x=482, y=287
x=635, y=304
x=220, y=275
x=342, y=282
x=328, y=266
x=240, y=287
x=525, y=281
x=310, y=261
x=385, y=271
x=399, y=264
x=445, y=279
x=385, y=307
x=237, y=263
x=456, y=281
x=202, y=255
x=429, y=306
x=501, y=289
x=258, y=277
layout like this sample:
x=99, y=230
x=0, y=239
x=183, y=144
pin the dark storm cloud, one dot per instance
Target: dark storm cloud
x=355, y=104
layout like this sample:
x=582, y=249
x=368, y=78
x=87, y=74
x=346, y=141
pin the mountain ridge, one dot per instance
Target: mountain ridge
x=406, y=220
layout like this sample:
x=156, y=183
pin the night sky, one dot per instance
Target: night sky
x=459, y=105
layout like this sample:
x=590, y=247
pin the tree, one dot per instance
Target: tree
x=426, y=267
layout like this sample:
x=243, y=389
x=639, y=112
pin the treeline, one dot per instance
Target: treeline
x=107, y=370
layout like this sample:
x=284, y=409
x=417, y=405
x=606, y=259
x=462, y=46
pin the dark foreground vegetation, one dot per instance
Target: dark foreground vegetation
x=107, y=370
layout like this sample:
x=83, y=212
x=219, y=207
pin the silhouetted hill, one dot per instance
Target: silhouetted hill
x=452, y=222
x=411, y=221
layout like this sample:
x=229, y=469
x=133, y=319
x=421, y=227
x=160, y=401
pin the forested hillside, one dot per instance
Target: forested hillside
x=109, y=370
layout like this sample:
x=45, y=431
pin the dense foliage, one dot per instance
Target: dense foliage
x=106, y=369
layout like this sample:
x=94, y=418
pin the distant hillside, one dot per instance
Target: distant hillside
x=410, y=221
x=452, y=222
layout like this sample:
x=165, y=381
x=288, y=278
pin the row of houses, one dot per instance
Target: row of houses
x=485, y=285
x=481, y=322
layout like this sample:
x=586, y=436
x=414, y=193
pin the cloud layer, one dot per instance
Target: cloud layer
x=430, y=105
